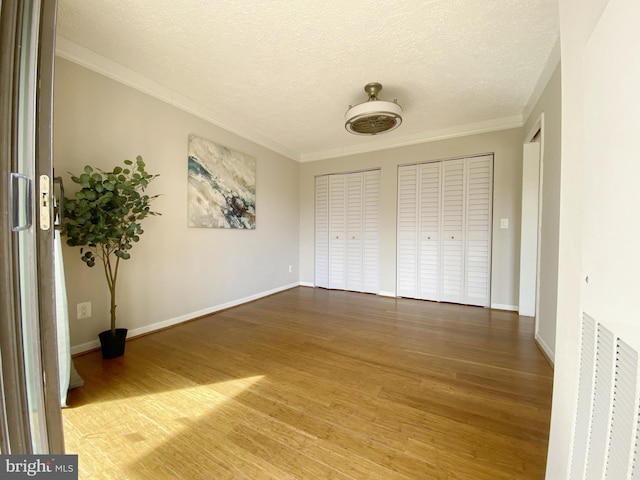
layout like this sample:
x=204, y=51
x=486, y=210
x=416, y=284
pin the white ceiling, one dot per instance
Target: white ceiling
x=283, y=73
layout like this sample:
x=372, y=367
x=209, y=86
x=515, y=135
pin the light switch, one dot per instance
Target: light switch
x=504, y=223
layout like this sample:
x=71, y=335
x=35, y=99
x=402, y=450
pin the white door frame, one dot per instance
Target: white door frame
x=538, y=126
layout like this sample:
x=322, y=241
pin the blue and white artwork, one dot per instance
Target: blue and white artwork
x=222, y=186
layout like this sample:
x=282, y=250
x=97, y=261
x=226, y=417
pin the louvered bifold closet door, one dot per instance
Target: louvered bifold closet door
x=322, y=232
x=354, y=224
x=429, y=232
x=371, y=232
x=453, y=220
x=347, y=226
x=337, y=232
x=407, y=236
x=479, y=177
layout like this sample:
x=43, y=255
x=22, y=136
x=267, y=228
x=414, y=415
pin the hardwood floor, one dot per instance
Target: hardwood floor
x=312, y=383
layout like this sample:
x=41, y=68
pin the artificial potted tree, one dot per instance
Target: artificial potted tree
x=104, y=219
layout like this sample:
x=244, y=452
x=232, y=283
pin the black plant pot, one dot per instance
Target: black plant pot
x=112, y=345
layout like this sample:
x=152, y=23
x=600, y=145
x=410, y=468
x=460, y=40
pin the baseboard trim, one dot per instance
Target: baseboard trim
x=381, y=293
x=545, y=349
x=88, y=346
x=387, y=294
x=499, y=306
x=85, y=347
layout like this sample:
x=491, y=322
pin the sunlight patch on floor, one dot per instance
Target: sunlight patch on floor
x=128, y=438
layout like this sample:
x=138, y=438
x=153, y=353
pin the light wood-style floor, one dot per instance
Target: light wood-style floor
x=312, y=383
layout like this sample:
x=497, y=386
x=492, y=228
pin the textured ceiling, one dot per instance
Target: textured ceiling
x=287, y=71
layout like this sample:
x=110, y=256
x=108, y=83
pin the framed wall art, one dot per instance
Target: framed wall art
x=221, y=192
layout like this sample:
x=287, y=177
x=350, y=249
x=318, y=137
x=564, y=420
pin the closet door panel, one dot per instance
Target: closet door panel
x=478, y=230
x=444, y=230
x=353, y=227
x=322, y=232
x=429, y=232
x=347, y=227
x=407, y=236
x=337, y=232
x=453, y=219
x=371, y=232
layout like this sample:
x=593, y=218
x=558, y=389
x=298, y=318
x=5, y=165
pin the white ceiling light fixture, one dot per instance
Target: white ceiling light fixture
x=373, y=116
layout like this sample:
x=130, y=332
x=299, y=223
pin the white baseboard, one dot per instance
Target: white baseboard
x=499, y=306
x=387, y=294
x=307, y=284
x=84, y=347
x=545, y=349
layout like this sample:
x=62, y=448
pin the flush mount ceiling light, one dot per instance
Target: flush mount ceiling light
x=373, y=116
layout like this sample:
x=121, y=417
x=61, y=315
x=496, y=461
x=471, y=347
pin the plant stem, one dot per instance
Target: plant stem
x=113, y=296
x=111, y=282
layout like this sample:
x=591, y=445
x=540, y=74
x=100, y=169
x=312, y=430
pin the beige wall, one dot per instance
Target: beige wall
x=550, y=103
x=507, y=147
x=175, y=272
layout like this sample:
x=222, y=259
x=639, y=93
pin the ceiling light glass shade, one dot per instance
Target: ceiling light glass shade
x=373, y=116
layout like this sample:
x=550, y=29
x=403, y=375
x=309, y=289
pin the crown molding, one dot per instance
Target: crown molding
x=497, y=124
x=543, y=79
x=84, y=57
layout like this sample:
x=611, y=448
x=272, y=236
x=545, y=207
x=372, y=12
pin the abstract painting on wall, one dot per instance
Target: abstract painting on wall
x=222, y=186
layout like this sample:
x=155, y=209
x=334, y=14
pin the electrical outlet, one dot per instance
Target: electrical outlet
x=83, y=310
x=290, y=268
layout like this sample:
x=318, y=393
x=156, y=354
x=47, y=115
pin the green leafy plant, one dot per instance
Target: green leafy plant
x=104, y=217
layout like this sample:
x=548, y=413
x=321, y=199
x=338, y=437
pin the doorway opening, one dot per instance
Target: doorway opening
x=530, y=232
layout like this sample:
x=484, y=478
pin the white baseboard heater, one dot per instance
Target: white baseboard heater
x=606, y=428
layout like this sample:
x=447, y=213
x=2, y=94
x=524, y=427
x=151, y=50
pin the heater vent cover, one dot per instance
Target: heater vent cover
x=606, y=427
